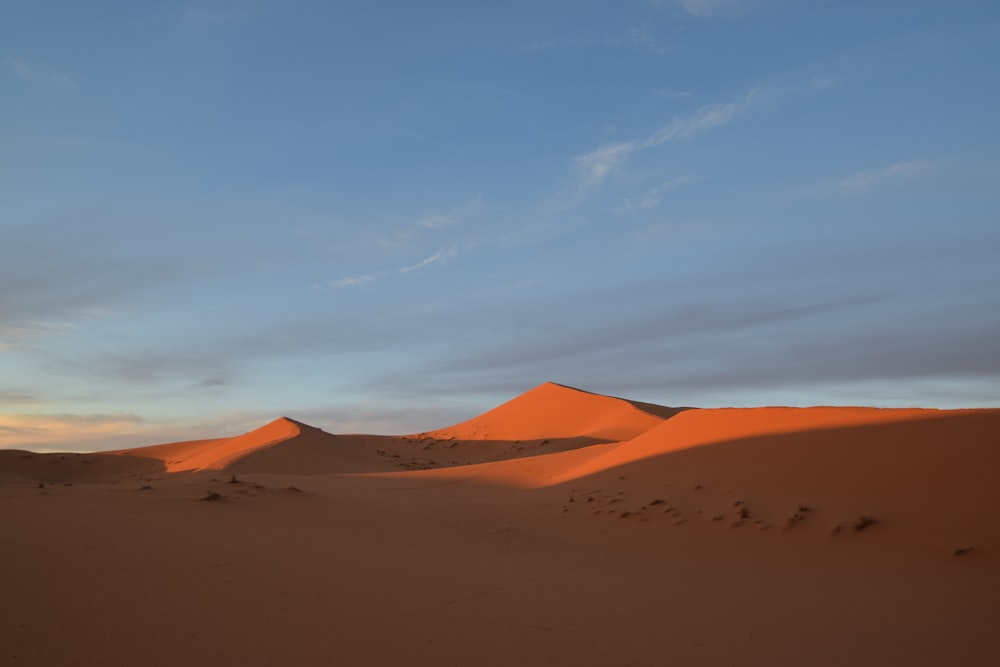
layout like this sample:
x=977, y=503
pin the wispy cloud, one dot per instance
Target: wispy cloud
x=436, y=221
x=427, y=223
x=34, y=72
x=598, y=164
x=440, y=256
x=706, y=118
x=413, y=235
x=357, y=281
x=898, y=171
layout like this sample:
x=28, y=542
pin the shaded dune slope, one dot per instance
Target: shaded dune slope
x=68, y=468
x=797, y=450
x=283, y=446
x=696, y=428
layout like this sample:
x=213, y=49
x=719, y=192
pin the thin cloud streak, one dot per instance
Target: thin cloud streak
x=424, y=225
x=600, y=163
x=706, y=118
x=440, y=256
x=356, y=281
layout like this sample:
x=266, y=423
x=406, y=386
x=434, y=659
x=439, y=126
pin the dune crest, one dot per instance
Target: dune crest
x=553, y=410
x=699, y=427
x=219, y=453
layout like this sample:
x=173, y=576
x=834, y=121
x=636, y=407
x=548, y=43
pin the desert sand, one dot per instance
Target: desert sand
x=561, y=528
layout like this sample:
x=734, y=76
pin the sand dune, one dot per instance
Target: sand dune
x=281, y=446
x=560, y=528
x=697, y=428
x=218, y=453
x=557, y=411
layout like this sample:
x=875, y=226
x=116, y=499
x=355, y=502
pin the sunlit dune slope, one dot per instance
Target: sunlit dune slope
x=694, y=428
x=282, y=446
x=784, y=454
x=522, y=427
x=555, y=411
x=217, y=453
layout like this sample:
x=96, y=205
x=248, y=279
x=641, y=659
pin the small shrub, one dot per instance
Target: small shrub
x=864, y=522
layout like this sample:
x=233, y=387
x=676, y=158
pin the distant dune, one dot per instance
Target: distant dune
x=560, y=528
x=556, y=411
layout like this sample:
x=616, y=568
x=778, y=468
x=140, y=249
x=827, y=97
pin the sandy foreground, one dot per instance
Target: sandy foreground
x=561, y=528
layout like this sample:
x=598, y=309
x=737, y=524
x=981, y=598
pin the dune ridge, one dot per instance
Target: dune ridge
x=706, y=426
x=552, y=410
x=562, y=527
x=219, y=453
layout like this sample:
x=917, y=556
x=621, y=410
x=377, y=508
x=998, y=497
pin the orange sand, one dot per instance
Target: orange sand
x=561, y=528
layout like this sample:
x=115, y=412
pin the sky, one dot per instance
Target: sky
x=389, y=216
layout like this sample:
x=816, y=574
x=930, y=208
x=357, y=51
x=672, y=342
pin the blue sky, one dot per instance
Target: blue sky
x=390, y=216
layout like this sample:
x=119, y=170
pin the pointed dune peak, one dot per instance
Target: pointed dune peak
x=281, y=428
x=286, y=423
x=553, y=410
x=278, y=427
x=219, y=453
